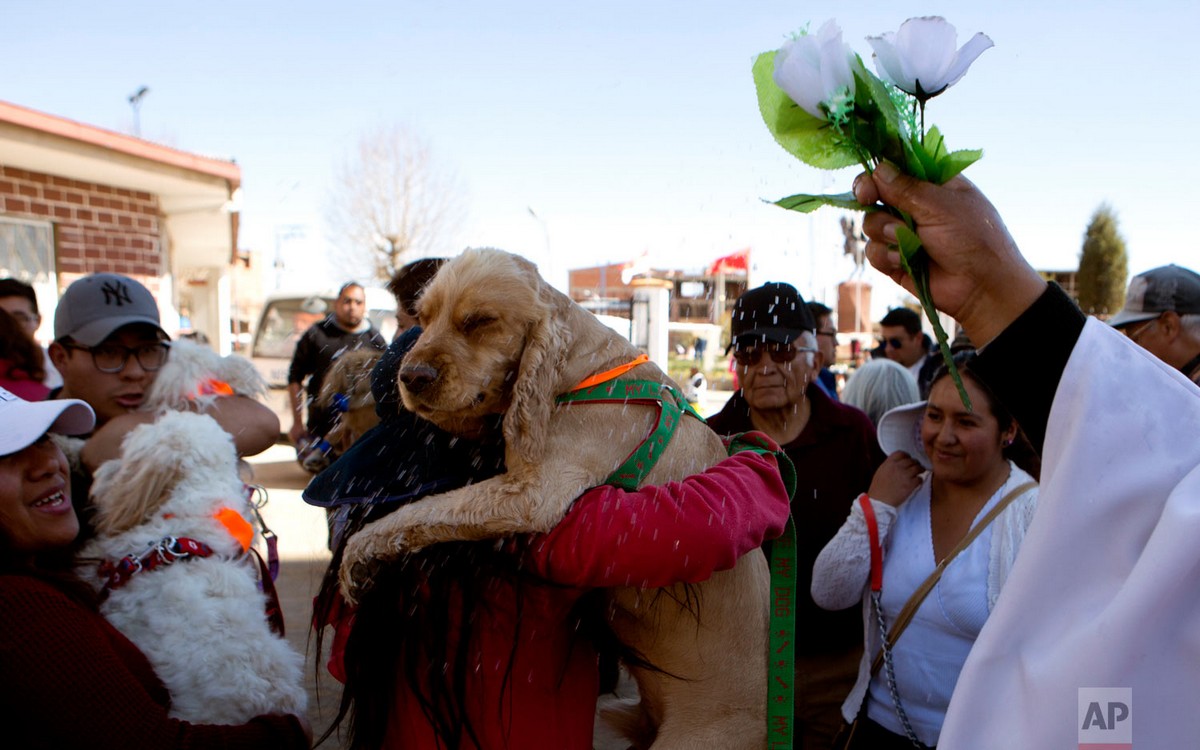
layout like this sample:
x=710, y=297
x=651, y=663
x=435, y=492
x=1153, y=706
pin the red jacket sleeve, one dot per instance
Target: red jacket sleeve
x=656, y=536
x=68, y=680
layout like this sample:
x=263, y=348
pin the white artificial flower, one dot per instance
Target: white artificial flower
x=921, y=58
x=814, y=69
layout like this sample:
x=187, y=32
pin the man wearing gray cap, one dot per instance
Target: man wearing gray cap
x=1162, y=315
x=108, y=343
x=109, y=346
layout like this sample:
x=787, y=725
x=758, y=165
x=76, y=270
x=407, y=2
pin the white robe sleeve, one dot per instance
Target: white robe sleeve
x=1105, y=592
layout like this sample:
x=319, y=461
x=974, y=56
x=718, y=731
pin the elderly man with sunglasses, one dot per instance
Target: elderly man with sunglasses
x=834, y=450
x=109, y=346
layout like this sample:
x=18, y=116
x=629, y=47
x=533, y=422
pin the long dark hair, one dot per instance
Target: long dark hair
x=1020, y=451
x=405, y=620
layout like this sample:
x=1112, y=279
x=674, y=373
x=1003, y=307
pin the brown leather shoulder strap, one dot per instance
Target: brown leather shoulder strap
x=918, y=596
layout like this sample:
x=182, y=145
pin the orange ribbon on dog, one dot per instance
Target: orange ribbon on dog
x=237, y=526
x=607, y=375
x=212, y=387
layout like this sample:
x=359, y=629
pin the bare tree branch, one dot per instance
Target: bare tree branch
x=391, y=203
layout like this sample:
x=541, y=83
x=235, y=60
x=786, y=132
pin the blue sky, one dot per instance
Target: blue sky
x=628, y=127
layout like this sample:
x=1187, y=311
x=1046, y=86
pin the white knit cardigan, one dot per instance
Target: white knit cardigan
x=841, y=575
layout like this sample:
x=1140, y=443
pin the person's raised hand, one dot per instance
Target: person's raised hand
x=977, y=274
x=895, y=479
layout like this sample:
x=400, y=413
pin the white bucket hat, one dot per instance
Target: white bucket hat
x=26, y=421
x=900, y=430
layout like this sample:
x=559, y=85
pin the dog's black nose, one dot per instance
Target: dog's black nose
x=418, y=377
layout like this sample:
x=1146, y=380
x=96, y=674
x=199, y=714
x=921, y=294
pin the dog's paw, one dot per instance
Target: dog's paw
x=354, y=579
x=365, y=553
x=358, y=567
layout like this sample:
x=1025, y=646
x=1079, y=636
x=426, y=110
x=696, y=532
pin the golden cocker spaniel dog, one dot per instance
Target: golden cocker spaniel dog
x=499, y=340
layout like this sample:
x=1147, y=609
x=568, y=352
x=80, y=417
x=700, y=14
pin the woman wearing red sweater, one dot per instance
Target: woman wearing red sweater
x=68, y=679
x=513, y=663
x=475, y=646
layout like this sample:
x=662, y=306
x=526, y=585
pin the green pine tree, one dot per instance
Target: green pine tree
x=1103, y=265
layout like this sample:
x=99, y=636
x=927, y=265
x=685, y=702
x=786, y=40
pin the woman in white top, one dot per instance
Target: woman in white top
x=947, y=468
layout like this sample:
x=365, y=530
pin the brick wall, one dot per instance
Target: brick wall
x=96, y=227
x=585, y=280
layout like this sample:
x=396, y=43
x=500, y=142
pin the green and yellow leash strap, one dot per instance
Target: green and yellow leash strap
x=781, y=654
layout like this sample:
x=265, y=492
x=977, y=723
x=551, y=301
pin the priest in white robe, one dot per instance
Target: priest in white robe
x=1095, y=639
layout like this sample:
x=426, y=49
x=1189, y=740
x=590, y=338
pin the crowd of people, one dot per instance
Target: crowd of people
x=73, y=679
x=945, y=597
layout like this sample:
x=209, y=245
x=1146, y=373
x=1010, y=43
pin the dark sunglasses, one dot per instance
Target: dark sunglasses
x=893, y=342
x=779, y=353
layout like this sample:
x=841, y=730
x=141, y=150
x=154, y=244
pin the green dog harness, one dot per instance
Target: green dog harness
x=671, y=408
x=629, y=475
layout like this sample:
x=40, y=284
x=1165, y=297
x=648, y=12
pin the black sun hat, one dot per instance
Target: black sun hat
x=773, y=312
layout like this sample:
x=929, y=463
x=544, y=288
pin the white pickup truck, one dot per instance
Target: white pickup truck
x=285, y=317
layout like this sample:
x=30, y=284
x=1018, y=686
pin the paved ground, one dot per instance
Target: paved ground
x=304, y=557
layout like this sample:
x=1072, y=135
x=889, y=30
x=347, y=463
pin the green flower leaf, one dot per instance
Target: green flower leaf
x=808, y=203
x=877, y=125
x=957, y=161
x=809, y=139
x=923, y=155
x=909, y=243
x=935, y=144
x=933, y=162
x=914, y=164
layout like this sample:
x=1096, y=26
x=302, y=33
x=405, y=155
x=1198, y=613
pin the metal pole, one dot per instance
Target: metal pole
x=135, y=101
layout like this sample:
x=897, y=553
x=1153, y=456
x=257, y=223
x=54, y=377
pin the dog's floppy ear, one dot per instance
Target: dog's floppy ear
x=539, y=375
x=128, y=489
x=242, y=376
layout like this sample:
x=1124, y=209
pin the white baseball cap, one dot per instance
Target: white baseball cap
x=900, y=430
x=26, y=421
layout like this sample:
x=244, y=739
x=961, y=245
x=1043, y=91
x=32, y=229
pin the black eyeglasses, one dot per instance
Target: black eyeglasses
x=113, y=357
x=893, y=342
x=779, y=353
x=830, y=334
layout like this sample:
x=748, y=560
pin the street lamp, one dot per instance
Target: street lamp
x=135, y=101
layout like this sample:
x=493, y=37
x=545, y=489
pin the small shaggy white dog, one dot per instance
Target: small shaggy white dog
x=193, y=375
x=194, y=372
x=200, y=621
